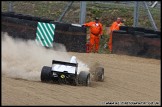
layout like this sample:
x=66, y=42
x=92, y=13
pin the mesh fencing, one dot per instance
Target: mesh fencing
x=108, y=11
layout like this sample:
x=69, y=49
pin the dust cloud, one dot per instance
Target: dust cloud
x=24, y=59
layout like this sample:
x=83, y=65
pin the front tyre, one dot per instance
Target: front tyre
x=99, y=74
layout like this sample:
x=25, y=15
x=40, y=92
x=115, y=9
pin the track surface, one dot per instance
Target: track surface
x=127, y=79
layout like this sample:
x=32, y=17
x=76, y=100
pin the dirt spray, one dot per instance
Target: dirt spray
x=24, y=59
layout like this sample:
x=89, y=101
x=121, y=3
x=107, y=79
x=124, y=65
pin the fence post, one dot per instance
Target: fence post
x=150, y=16
x=136, y=14
x=10, y=6
x=64, y=12
x=82, y=12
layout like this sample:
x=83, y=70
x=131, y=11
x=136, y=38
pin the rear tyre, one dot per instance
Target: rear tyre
x=46, y=74
x=84, y=78
x=99, y=74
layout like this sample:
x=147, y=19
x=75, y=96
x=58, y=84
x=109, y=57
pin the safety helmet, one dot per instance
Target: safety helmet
x=118, y=18
x=96, y=18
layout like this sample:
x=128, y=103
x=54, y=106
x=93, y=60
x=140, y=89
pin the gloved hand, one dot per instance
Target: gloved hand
x=83, y=25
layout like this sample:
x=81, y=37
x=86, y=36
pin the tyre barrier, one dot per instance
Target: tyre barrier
x=26, y=27
x=139, y=30
x=146, y=45
x=128, y=40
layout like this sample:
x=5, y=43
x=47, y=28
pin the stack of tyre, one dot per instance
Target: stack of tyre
x=139, y=31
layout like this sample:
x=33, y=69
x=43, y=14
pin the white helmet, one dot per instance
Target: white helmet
x=73, y=59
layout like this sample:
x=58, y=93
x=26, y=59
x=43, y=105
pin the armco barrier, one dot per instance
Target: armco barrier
x=25, y=27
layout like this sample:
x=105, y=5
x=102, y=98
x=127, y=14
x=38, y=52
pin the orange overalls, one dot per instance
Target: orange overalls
x=95, y=32
x=114, y=26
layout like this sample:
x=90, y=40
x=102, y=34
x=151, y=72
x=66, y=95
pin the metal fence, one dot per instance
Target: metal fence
x=108, y=11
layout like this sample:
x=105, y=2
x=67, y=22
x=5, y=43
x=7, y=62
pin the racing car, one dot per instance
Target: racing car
x=68, y=73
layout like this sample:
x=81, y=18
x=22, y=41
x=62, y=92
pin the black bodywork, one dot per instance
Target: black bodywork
x=64, y=77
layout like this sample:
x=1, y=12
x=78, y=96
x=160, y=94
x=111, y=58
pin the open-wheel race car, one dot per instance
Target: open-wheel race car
x=68, y=73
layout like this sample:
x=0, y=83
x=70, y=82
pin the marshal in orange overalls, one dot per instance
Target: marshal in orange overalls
x=115, y=26
x=95, y=33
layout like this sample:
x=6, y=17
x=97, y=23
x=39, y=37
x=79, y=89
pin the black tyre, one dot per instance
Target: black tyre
x=149, y=31
x=139, y=29
x=125, y=28
x=46, y=74
x=84, y=78
x=99, y=74
x=158, y=33
x=139, y=33
x=130, y=30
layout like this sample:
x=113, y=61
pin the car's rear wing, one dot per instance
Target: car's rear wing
x=65, y=63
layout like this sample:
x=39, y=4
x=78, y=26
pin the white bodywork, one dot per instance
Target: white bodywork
x=61, y=68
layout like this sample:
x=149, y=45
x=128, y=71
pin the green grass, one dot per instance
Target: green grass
x=107, y=12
